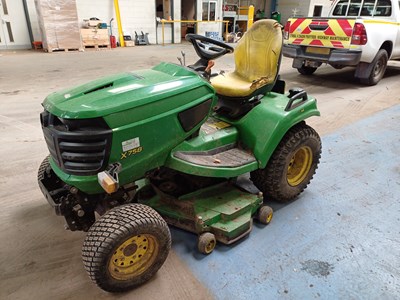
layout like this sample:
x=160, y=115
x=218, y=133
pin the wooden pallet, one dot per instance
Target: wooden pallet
x=97, y=47
x=50, y=50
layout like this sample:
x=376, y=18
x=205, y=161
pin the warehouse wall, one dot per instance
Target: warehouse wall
x=177, y=15
x=301, y=9
x=138, y=15
x=289, y=8
x=326, y=5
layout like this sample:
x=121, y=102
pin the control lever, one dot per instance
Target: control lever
x=184, y=57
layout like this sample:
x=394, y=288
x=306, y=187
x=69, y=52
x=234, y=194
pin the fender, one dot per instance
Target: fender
x=264, y=126
x=259, y=131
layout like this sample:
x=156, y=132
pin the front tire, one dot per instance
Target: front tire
x=126, y=247
x=206, y=243
x=43, y=168
x=265, y=214
x=292, y=165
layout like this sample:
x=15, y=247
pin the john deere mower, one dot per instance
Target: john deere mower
x=133, y=152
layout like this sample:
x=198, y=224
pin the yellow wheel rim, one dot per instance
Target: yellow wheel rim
x=299, y=166
x=210, y=246
x=269, y=217
x=133, y=257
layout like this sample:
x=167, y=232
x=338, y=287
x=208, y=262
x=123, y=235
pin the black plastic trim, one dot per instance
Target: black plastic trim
x=194, y=115
x=78, y=147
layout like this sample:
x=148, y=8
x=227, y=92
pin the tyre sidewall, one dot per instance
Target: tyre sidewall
x=101, y=272
x=43, y=167
x=305, y=70
x=146, y=275
x=382, y=54
x=314, y=144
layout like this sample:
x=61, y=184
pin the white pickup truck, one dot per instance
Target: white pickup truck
x=361, y=33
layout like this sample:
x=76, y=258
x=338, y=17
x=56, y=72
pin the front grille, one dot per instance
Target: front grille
x=78, y=147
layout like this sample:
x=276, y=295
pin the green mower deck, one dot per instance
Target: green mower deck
x=223, y=209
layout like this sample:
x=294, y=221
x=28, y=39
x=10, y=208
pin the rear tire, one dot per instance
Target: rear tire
x=292, y=165
x=304, y=70
x=379, y=65
x=126, y=247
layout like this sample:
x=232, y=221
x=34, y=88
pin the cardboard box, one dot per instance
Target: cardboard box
x=95, y=37
x=59, y=26
x=129, y=43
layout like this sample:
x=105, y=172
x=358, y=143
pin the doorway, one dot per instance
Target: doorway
x=317, y=11
x=188, y=12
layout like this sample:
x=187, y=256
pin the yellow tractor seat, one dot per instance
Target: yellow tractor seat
x=257, y=59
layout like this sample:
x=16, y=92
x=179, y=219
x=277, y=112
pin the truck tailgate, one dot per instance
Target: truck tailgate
x=321, y=33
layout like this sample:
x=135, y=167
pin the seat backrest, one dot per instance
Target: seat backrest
x=257, y=55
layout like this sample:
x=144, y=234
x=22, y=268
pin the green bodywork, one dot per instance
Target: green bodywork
x=142, y=107
x=260, y=131
x=145, y=104
x=223, y=209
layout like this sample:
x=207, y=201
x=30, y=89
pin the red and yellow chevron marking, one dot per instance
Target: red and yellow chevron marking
x=332, y=33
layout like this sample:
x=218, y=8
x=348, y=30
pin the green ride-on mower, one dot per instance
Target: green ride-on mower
x=133, y=152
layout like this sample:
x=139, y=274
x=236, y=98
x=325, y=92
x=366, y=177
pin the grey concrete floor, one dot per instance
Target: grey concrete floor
x=39, y=259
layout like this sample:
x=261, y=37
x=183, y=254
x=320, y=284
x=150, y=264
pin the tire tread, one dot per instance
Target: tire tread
x=268, y=180
x=116, y=225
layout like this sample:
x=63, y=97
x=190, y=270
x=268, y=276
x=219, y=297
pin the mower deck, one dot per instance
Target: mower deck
x=222, y=209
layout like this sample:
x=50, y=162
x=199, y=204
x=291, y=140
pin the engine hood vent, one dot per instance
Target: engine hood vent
x=107, y=85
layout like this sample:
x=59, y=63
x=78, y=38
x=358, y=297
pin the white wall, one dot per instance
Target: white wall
x=138, y=15
x=288, y=8
x=302, y=9
x=326, y=5
x=177, y=16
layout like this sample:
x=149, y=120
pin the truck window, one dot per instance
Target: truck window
x=348, y=8
x=383, y=8
x=341, y=8
x=354, y=8
x=367, y=8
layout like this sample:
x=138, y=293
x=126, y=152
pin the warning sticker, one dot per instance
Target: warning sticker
x=130, y=144
x=320, y=37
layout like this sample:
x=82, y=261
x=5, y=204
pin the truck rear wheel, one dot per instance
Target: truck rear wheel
x=126, y=247
x=292, y=165
x=379, y=65
x=305, y=70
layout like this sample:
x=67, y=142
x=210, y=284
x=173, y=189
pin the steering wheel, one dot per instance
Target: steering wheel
x=208, y=52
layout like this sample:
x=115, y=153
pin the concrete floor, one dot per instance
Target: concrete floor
x=39, y=260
